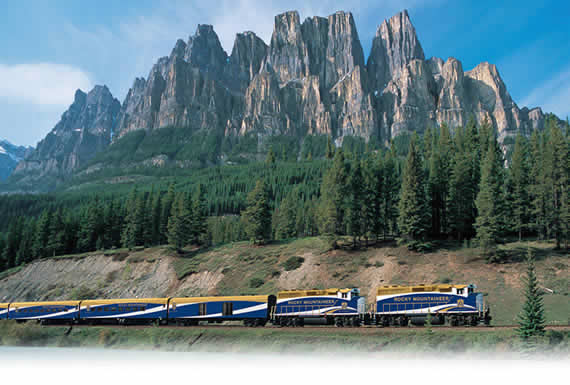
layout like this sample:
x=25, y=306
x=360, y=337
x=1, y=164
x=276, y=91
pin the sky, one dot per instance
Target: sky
x=50, y=48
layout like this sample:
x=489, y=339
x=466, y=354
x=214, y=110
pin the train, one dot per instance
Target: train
x=394, y=305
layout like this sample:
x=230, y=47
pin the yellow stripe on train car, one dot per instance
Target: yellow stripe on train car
x=95, y=302
x=250, y=298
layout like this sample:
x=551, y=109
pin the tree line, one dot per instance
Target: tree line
x=445, y=185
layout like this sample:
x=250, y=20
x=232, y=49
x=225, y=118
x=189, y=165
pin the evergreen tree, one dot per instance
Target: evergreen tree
x=165, y=213
x=413, y=220
x=41, y=237
x=180, y=222
x=558, y=148
x=333, y=197
x=56, y=240
x=519, y=186
x=257, y=215
x=329, y=153
x=199, y=215
x=488, y=222
x=462, y=191
x=372, y=213
x=129, y=234
x=286, y=218
x=13, y=241
x=390, y=192
x=2, y=247
x=270, y=159
x=531, y=318
x=355, y=203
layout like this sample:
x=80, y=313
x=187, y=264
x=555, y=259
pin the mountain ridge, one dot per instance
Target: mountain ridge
x=311, y=79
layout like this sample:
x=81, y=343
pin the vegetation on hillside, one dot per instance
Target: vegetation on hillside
x=445, y=185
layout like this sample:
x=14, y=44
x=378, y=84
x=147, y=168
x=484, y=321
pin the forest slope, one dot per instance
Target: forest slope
x=240, y=268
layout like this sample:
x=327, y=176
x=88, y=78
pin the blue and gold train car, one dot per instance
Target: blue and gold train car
x=54, y=311
x=456, y=304
x=124, y=311
x=253, y=310
x=4, y=310
x=342, y=307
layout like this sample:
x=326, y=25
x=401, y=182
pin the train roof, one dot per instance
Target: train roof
x=252, y=298
x=47, y=303
x=307, y=293
x=397, y=289
x=92, y=302
x=4, y=305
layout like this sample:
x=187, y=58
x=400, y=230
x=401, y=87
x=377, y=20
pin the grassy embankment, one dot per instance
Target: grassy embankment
x=315, y=340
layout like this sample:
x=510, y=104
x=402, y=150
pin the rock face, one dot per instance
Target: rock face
x=311, y=79
x=10, y=155
x=84, y=130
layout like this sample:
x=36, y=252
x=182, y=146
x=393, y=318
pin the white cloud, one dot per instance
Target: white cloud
x=553, y=95
x=44, y=84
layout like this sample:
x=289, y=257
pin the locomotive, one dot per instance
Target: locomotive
x=394, y=306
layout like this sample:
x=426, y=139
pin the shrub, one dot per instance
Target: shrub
x=83, y=292
x=293, y=263
x=379, y=264
x=275, y=274
x=255, y=282
x=446, y=280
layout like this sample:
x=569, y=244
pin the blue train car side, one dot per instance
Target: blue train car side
x=124, y=310
x=455, y=303
x=44, y=311
x=334, y=305
x=4, y=310
x=195, y=309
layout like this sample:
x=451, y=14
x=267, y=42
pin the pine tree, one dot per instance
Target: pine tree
x=41, y=236
x=270, y=159
x=329, y=153
x=519, y=186
x=180, y=222
x=333, y=197
x=165, y=213
x=356, y=189
x=488, y=222
x=462, y=191
x=372, y=213
x=558, y=145
x=56, y=240
x=413, y=220
x=286, y=218
x=390, y=193
x=257, y=215
x=199, y=216
x=531, y=318
x=129, y=234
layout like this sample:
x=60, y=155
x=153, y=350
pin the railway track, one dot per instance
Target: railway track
x=362, y=329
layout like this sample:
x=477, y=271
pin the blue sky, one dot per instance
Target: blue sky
x=51, y=48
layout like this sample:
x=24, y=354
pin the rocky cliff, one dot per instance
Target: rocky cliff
x=10, y=155
x=84, y=130
x=312, y=78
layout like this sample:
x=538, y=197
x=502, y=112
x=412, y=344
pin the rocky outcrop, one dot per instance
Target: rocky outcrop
x=311, y=79
x=10, y=155
x=393, y=48
x=84, y=130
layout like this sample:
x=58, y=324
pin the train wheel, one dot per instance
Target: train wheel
x=339, y=322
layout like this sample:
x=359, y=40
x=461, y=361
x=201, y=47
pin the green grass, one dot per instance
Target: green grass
x=275, y=339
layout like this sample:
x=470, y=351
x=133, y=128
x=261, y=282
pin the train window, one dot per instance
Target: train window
x=202, y=309
x=228, y=308
x=459, y=291
x=344, y=295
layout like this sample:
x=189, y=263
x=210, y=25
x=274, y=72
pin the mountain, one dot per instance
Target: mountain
x=10, y=155
x=311, y=79
x=84, y=130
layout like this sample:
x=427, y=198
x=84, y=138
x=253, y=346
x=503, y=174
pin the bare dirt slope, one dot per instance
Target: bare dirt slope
x=241, y=268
